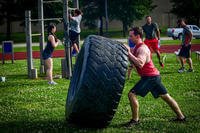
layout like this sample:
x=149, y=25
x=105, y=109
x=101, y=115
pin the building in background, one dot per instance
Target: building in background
x=160, y=15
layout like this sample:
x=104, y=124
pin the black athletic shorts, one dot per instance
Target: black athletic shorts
x=73, y=37
x=149, y=84
x=185, y=51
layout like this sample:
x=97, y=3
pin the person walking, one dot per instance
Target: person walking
x=150, y=79
x=52, y=43
x=152, y=37
x=185, y=51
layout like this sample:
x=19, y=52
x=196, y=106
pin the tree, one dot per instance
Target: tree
x=13, y=10
x=128, y=11
x=190, y=10
x=93, y=10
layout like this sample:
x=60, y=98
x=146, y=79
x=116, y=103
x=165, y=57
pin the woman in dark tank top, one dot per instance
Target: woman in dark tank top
x=52, y=43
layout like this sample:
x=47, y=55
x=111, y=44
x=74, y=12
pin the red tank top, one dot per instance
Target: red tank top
x=148, y=69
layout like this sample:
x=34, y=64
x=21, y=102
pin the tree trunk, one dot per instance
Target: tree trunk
x=8, y=27
x=198, y=21
x=100, y=26
x=8, y=24
x=124, y=29
x=106, y=16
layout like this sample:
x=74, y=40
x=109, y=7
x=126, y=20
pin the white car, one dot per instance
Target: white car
x=176, y=33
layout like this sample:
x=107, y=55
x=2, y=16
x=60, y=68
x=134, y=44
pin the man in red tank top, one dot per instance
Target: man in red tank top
x=150, y=79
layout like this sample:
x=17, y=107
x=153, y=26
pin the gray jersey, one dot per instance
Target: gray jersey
x=150, y=30
x=75, y=24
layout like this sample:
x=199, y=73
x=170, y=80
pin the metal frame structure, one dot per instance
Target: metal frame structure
x=28, y=42
x=28, y=20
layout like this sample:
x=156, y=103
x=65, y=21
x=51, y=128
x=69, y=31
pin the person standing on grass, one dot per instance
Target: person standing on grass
x=185, y=51
x=52, y=43
x=75, y=29
x=150, y=78
x=152, y=37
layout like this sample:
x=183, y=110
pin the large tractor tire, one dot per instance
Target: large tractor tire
x=97, y=82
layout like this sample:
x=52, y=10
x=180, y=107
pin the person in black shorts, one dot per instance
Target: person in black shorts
x=185, y=52
x=75, y=29
x=150, y=79
x=52, y=43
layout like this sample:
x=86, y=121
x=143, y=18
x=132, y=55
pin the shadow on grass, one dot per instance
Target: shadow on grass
x=17, y=76
x=43, y=126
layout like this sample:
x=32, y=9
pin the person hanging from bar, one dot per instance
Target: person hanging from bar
x=75, y=29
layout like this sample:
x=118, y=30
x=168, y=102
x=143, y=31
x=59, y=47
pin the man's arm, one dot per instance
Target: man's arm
x=140, y=60
x=158, y=34
x=157, y=31
x=190, y=35
x=53, y=42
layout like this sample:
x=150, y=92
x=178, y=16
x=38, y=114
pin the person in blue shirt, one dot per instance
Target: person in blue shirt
x=130, y=68
x=52, y=43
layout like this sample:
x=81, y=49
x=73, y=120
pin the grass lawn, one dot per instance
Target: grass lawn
x=34, y=106
x=178, y=42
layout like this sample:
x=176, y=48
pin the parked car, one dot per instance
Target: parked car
x=176, y=33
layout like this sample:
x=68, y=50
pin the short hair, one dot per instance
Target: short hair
x=147, y=16
x=77, y=11
x=137, y=31
x=181, y=20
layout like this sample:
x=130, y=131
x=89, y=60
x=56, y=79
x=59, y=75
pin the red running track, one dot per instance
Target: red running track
x=60, y=53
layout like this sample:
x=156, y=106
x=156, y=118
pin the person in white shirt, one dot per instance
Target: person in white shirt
x=75, y=29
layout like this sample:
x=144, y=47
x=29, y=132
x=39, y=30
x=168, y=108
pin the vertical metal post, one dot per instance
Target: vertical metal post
x=76, y=4
x=66, y=36
x=28, y=42
x=41, y=28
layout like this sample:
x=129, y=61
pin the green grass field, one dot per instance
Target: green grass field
x=34, y=106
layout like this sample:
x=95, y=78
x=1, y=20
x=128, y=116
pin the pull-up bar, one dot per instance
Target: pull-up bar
x=46, y=19
x=37, y=34
x=72, y=9
x=52, y=1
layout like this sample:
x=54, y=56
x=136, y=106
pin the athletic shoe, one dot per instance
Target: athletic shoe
x=164, y=58
x=161, y=64
x=190, y=70
x=132, y=123
x=181, y=70
x=52, y=83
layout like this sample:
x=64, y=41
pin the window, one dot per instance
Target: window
x=195, y=28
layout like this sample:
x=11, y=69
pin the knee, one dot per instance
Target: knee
x=166, y=97
x=130, y=94
x=49, y=68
